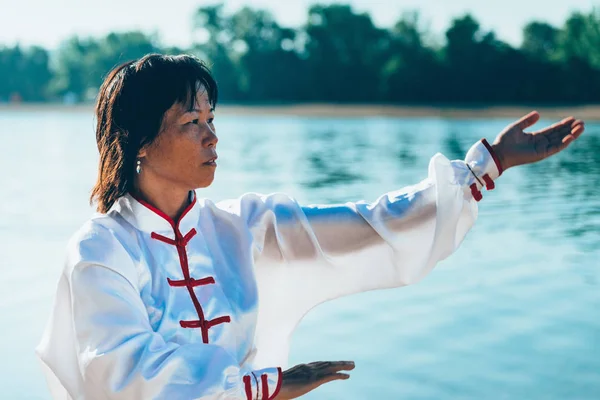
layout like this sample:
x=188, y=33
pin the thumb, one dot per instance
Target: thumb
x=528, y=120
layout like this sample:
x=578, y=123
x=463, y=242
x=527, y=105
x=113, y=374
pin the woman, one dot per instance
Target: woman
x=165, y=295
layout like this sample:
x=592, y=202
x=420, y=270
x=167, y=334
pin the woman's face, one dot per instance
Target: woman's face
x=184, y=153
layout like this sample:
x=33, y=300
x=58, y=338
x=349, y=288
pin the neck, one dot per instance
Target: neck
x=169, y=199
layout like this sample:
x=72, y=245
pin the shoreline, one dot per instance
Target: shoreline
x=585, y=112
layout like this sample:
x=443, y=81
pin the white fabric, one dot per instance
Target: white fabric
x=481, y=163
x=115, y=330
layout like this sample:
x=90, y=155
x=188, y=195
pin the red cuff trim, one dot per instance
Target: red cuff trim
x=279, y=382
x=248, y=387
x=476, y=193
x=489, y=183
x=265, y=385
x=494, y=156
x=257, y=387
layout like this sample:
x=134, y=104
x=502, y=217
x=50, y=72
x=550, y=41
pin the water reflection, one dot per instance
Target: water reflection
x=334, y=157
x=404, y=148
x=573, y=180
x=255, y=151
x=509, y=289
x=453, y=146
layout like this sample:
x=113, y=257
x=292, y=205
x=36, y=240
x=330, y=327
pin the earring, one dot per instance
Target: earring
x=138, y=167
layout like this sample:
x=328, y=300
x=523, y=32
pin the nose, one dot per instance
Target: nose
x=211, y=139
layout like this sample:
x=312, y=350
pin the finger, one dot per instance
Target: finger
x=334, y=377
x=559, y=144
x=528, y=120
x=341, y=366
x=565, y=123
x=573, y=130
x=578, y=130
x=558, y=134
x=575, y=133
x=334, y=365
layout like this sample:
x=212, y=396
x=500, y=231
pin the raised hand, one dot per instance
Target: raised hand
x=301, y=379
x=514, y=146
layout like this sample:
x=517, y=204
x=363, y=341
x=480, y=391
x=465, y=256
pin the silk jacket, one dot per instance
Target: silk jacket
x=203, y=307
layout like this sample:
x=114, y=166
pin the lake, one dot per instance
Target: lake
x=513, y=314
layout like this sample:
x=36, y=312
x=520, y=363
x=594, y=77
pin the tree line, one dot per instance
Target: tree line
x=338, y=55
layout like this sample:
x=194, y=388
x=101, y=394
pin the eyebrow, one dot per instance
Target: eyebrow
x=197, y=110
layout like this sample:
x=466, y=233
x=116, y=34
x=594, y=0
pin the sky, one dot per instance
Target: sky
x=48, y=22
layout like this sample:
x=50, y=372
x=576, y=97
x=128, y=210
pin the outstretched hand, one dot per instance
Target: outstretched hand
x=303, y=378
x=514, y=146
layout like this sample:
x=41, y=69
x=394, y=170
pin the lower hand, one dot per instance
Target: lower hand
x=303, y=378
x=514, y=146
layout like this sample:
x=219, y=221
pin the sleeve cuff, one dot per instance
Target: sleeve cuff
x=263, y=384
x=484, y=166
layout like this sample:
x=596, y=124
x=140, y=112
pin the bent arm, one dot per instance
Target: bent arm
x=119, y=356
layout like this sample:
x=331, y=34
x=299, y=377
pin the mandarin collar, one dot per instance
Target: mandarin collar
x=148, y=218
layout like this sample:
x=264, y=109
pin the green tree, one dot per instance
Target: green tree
x=478, y=66
x=339, y=55
x=83, y=63
x=344, y=52
x=24, y=74
x=412, y=70
x=579, y=53
x=580, y=38
x=540, y=40
x=270, y=67
x=216, y=50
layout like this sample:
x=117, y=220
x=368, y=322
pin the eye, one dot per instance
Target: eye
x=194, y=121
x=210, y=120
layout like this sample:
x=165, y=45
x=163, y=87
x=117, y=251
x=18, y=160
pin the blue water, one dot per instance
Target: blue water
x=514, y=314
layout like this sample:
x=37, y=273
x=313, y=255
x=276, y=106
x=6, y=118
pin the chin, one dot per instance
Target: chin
x=206, y=182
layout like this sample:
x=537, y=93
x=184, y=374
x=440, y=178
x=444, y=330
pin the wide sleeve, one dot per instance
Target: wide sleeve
x=305, y=255
x=116, y=354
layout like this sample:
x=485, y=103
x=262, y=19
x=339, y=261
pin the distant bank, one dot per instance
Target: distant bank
x=585, y=112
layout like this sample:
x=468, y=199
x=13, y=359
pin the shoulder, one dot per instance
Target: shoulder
x=105, y=240
x=249, y=204
x=254, y=211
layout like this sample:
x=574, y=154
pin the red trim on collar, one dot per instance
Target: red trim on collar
x=164, y=216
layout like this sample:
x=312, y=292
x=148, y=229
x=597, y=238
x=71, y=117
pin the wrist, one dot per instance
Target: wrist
x=500, y=156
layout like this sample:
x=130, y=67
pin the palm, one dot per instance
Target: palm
x=517, y=147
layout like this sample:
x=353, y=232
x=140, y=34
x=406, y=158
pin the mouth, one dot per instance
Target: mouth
x=211, y=162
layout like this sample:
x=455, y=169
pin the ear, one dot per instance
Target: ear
x=142, y=153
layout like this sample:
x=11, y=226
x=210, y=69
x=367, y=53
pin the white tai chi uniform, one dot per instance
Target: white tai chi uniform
x=203, y=308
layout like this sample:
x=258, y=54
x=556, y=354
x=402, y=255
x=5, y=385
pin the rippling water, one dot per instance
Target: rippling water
x=514, y=314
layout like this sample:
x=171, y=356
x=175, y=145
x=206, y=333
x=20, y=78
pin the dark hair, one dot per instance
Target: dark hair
x=131, y=104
